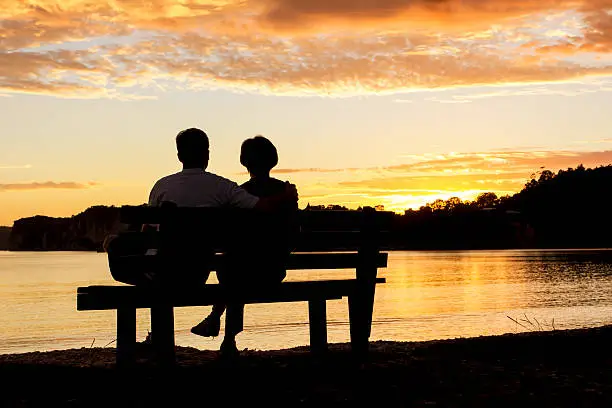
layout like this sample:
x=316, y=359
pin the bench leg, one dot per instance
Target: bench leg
x=162, y=328
x=317, y=314
x=368, y=304
x=359, y=325
x=126, y=336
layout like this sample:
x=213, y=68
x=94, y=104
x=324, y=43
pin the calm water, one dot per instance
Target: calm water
x=429, y=295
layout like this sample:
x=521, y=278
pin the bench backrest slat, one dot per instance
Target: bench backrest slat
x=318, y=230
x=309, y=221
x=296, y=261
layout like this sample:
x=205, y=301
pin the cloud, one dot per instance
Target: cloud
x=593, y=142
x=448, y=183
x=13, y=167
x=66, y=73
x=491, y=162
x=48, y=185
x=312, y=170
x=470, y=13
x=134, y=50
x=568, y=90
x=503, y=162
x=453, y=100
x=307, y=66
x=37, y=28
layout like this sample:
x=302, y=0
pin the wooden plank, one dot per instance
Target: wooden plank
x=111, y=297
x=330, y=261
x=329, y=241
x=128, y=291
x=317, y=316
x=221, y=217
x=321, y=286
x=306, y=241
x=296, y=261
x=126, y=336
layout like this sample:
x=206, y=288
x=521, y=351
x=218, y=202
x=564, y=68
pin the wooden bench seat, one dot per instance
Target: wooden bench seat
x=364, y=258
x=115, y=297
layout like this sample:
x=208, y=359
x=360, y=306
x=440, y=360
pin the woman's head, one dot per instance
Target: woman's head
x=258, y=155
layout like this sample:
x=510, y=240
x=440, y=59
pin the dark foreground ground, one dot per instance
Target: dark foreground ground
x=551, y=369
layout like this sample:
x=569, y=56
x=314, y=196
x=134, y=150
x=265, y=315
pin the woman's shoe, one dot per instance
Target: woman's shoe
x=208, y=327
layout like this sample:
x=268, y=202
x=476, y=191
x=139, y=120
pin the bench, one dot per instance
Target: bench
x=353, y=236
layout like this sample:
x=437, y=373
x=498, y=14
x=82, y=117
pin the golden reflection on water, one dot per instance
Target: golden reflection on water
x=428, y=295
x=445, y=283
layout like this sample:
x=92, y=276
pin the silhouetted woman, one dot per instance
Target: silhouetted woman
x=258, y=261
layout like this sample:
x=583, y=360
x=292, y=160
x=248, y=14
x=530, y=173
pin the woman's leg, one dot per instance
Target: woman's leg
x=234, y=317
x=211, y=325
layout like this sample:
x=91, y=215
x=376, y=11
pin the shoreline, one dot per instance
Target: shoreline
x=554, y=368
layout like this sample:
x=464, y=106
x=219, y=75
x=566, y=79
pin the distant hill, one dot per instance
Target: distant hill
x=83, y=232
x=569, y=208
x=4, y=237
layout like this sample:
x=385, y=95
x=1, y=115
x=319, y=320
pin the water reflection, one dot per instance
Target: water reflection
x=428, y=295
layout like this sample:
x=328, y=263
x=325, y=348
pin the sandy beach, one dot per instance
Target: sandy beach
x=570, y=368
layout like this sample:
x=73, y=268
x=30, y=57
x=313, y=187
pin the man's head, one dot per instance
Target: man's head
x=192, y=146
x=258, y=155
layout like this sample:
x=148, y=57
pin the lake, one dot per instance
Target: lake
x=428, y=295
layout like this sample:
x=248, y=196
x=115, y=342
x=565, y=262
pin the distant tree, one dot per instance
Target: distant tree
x=486, y=200
x=453, y=203
x=438, y=205
x=315, y=207
x=336, y=207
x=545, y=176
x=531, y=184
x=425, y=209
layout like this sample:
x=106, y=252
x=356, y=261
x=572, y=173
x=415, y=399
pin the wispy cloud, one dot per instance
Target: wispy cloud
x=48, y=185
x=15, y=167
x=449, y=100
x=593, y=142
x=314, y=170
x=569, y=89
x=496, y=162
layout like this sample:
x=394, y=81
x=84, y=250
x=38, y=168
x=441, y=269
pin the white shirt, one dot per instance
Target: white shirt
x=199, y=188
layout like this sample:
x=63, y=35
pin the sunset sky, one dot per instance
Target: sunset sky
x=394, y=102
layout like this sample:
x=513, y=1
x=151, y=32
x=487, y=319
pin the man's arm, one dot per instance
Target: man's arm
x=289, y=196
x=239, y=198
x=155, y=200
